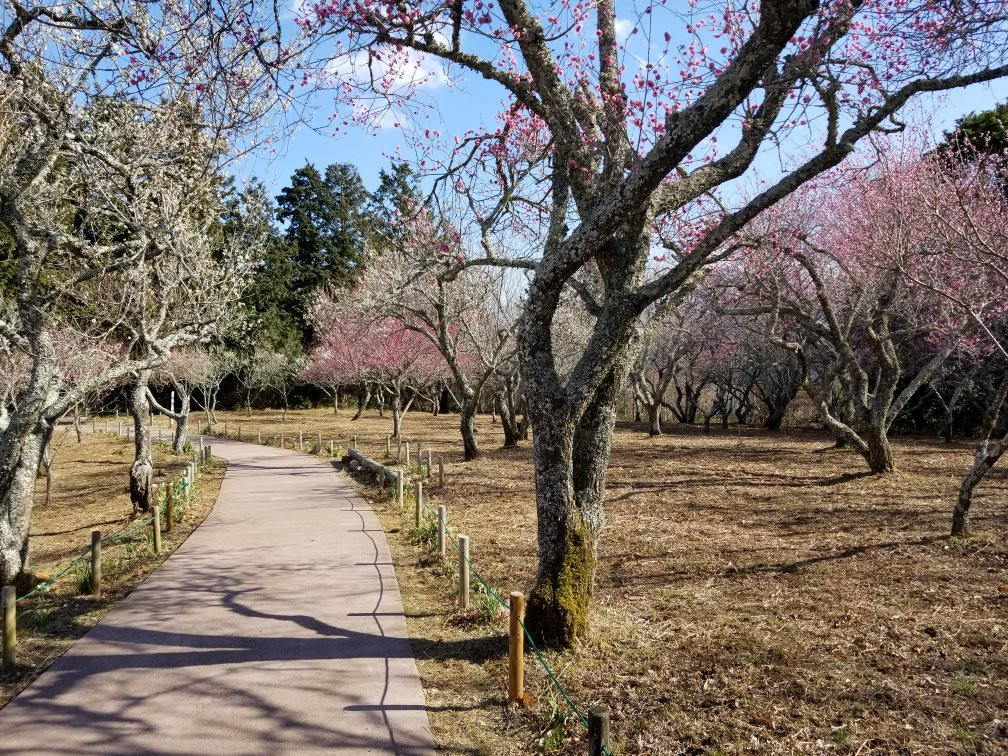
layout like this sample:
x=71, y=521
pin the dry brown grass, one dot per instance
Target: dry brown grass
x=91, y=492
x=755, y=593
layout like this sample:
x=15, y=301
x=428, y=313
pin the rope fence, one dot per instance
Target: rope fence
x=173, y=504
x=596, y=719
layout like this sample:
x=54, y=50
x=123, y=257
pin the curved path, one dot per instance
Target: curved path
x=276, y=627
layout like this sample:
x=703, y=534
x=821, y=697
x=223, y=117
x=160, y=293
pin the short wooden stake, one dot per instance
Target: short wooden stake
x=407, y=453
x=281, y=441
x=354, y=441
x=239, y=432
x=516, y=648
x=106, y=425
x=441, y=516
x=399, y=489
x=598, y=730
x=225, y=430
x=9, y=627
x=428, y=463
x=319, y=447
x=330, y=447
x=259, y=436
x=96, y=563
x=419, y=454
x=440, y=471
x=300, y=440
x=156, y=525
x=169, y=507
x=388, y=445
x=399, y=449
x=120, y=427
x=463, y=546
x=418, y=495
x=201, y=443
x=381, y=480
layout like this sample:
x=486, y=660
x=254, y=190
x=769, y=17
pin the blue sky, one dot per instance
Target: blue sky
x=462, y=107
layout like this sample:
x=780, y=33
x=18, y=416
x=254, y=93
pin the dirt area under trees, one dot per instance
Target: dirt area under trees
x=91, y=492
x=756, y=592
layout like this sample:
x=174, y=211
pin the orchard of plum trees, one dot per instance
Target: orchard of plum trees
x=707, y=210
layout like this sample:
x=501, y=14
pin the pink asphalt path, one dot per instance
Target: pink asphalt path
x=277, y=627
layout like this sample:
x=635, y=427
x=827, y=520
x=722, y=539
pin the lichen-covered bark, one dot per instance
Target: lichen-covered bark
x=142, y=469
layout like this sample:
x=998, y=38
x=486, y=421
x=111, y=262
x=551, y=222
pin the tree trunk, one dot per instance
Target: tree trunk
x=988, y=454
x=396, y=415
x=181, y=424
x=21, y=449
x=363, y=397
x=570, y=468
x=776, y=416
x=654, y=419
x=507, y=421
x=879, y=455
x=467, y=422
x=142, y=469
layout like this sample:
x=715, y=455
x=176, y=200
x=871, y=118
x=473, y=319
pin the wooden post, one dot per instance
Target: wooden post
x=9, y=627
x=428, y=463
x=399, y=489
x=156, y=525
x=407, y=453
x=440, y=471
x=319, y=447
x=388, y=445
x=330, y=448
x=463, y=546
x=398, y=449
x=225, y=430
x=106, y=425
x=516, y=648
x=281, y=441
x=419, y=454
x=239, y=431
x=441, y=516
x=96, y=563
x=598, y=730
x=201, y=444
x=418, y=495
x=259, y=436
x=169, y=507
x=300, y=440
x=354, y=441
x=381, y=481
x=94, y=425
x=120, y=427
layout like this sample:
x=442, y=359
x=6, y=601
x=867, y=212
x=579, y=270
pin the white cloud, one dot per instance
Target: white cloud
x=623, y=27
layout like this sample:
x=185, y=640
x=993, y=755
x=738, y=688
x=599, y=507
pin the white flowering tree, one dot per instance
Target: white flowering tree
x=96, y=175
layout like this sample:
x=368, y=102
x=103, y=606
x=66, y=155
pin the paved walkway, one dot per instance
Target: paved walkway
x=277, y=627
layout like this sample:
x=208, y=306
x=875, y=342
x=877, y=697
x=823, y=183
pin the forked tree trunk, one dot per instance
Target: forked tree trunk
x=654, y=419
x=507, y=421
x=363, y=397
x=988, y=451
x=142, y=469
x=467, y=425
x=571, y=462
x=181, y=423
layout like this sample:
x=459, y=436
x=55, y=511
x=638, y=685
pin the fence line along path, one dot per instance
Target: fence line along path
x=276, y=627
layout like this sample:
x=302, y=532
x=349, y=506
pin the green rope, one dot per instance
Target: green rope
x=542, y=660
x=86, y=552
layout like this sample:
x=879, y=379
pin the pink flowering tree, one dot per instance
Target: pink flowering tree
x=966, y=204
x=618, y=118
x=412, y=279
x=854, y=265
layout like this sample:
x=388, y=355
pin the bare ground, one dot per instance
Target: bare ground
x=91, y=492
x=756, y=593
